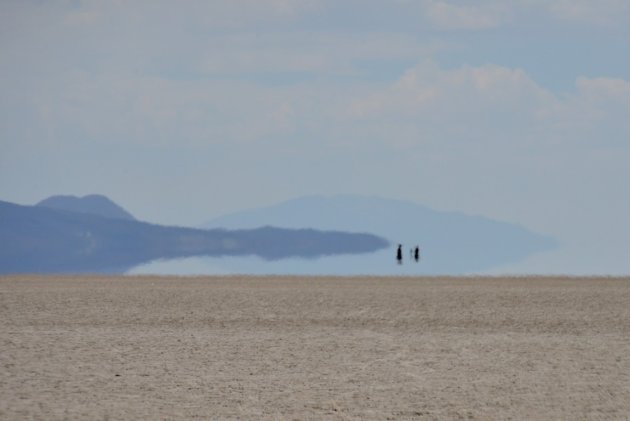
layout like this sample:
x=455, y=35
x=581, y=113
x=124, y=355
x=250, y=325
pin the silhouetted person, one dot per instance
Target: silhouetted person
x=416, y=254
x=399, y=254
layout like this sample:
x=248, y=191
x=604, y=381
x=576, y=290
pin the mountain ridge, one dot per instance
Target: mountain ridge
x=94, y=204
x=39, y=239
x=452, y=242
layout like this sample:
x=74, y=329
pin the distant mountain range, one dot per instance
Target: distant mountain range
x=94, y=234
x=451, y=242
x=75, y=236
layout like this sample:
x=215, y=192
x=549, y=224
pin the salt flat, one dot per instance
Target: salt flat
x=312, y=348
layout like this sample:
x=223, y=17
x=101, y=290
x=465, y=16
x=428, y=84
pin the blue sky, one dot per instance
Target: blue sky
x=184, y=111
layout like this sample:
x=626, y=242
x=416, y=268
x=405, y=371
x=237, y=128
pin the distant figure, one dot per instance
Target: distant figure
x=399, y=254
x=416, y=254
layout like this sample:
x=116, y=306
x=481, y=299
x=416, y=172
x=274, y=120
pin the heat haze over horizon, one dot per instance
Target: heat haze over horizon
x=187, y=111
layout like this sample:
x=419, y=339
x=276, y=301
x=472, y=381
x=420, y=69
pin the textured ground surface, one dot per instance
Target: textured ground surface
x=312, y=348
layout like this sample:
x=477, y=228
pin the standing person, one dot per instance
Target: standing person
x=416, y=254
x=399, y=254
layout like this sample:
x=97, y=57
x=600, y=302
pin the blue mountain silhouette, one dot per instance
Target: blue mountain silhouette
x=451, y=242
x=40, y=239
x=95, y=204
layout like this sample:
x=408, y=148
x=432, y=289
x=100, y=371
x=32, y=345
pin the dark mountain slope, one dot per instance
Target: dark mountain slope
x=39, y=239
x=94, y=204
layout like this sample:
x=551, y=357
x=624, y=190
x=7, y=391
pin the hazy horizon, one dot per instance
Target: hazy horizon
x=185, y=112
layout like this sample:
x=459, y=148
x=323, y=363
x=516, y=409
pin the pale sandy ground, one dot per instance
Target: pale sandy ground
x=314, y=348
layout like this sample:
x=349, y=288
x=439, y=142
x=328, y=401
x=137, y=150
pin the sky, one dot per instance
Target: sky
x=185, y=111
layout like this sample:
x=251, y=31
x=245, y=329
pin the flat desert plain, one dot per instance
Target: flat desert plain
x=314, y=348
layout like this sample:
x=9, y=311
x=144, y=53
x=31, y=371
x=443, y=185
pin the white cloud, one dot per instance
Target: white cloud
x=164, y=113
x=598, y=112
x=445, y=15
x=428, y=87
x=600, y=12
x=307, y=52
x=458, y=95
x=605, y=89
x=487, y=14
x=215, y=14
